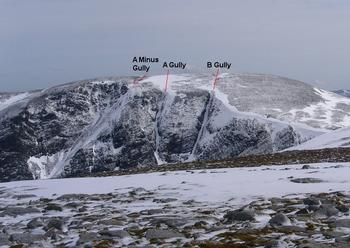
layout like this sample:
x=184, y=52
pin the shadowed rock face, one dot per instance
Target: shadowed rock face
x=104, y=124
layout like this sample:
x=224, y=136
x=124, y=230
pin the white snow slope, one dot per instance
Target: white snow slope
x=241, y=185
x=337, y=138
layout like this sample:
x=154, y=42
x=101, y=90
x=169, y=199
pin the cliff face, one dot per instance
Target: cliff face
x=111, y=123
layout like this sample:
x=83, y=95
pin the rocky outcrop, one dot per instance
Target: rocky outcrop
x=112, y=124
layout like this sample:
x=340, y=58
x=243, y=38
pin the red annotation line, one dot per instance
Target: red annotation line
x=166, y=81
x=136, y=80
x=216, y=79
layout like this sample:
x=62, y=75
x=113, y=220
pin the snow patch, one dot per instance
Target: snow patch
x=337, y=138
x=13, y=100
x=324, y=111
x=220, y=185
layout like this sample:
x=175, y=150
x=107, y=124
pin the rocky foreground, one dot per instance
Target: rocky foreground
x=182, y=209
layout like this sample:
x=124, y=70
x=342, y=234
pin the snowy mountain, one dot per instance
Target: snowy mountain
x=115, y=123
x=345, y=93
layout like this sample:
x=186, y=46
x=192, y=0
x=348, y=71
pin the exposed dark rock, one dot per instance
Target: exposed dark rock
x=73, y=205
x=276, y=244
x=306, y=167
x=53, y=207
x=342, y=208
x=279, y=219
x=15, y=211
x=87, y=237
x=162, y=234
x=56, y=223
x=24, y=196
x=341, y=223
x=114, y=233
x=35, y=223
x=110, y=222
x=302, y=211
x=311, y=201
x=170, y=222
x=152, y=211
x=26, y=238
x=165, y=200
x=326, y=211
x=4, y=239
x=240, y=215
x=72, y=197
x=306, y=180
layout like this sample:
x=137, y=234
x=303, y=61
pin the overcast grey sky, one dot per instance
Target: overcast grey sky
x=48, y=42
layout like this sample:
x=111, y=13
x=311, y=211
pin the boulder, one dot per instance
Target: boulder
x=279, y=219
x=26, y=238
x=240, y=215
x=162, y=234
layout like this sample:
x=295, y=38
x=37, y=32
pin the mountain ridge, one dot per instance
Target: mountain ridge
x=102, y=125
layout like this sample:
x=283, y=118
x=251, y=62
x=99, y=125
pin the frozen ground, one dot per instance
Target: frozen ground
x=258, y=206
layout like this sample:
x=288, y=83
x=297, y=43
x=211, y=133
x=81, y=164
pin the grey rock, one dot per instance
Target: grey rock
x=326, y=211
x=82, y=209
x=276, y=244
x=72, y=197
x=87, y=237
x=162, y=234
x=302, y=211
x=170, y=222
x=73, y=205
x=290, y=229
x=15, y=211
x=26, y=238
x=114, y=233
x=53, y=234
x=152, y=211
x=312, y=208
x=111, y=222
x=4, y=239
x=306, y=167
x=35, y=223
x=311, y=201
x=24, y=196
x=342, y=239
x=53, y=207
x=240, y=215
x=342, y=208
x=306, y=180
x=341, y=223
x=164, y=200
x=314, y=244
x=56, y=223
x=279, y=219
x=137, y=191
